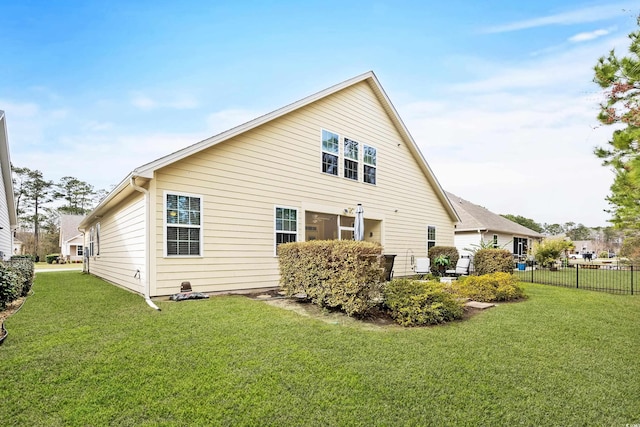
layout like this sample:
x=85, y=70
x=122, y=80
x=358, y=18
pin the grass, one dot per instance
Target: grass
x=82, y=352
x=45, y=266
x=616, y=281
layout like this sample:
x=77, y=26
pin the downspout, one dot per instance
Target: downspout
x=147, y=243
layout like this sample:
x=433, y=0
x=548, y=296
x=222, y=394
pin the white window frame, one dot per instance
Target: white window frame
x=365, y=164
x=79, y=250
x=323, y=152
x=165, y=224
x=90, y=248
x=275, y=226
x=434, y=236
x=345, y=158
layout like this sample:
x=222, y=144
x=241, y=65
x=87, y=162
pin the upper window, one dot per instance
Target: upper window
x=330, y=152
x=431, y=237
x=370, y=164
x=286, y=226
x=350, y=159
x=183, y=218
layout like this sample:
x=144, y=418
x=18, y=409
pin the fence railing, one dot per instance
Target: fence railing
x=612, y=278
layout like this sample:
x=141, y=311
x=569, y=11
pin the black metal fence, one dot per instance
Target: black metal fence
x=613, y=278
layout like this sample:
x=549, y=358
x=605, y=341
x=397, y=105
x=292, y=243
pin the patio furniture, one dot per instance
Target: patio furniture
x=422, y=267
x=462, y=268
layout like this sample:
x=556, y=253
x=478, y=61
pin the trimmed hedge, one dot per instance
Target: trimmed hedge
x=342, y=274
x=488, y=261
x=416, y=302
x=489, y=287
x=16, y=279
x=51, y=258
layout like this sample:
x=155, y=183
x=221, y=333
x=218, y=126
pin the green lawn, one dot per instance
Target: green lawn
x=615, y=281
x=82, y=352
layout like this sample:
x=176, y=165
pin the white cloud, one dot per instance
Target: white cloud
x=176, y=102
x=582, y=37
x=522, y=140
x=579, y=16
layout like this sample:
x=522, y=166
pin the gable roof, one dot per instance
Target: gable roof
x=146, y=171
x=69, y=227
x=5, y=167
x=474, y=218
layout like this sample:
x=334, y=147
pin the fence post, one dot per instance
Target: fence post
x=631, y=279
x=577, y=275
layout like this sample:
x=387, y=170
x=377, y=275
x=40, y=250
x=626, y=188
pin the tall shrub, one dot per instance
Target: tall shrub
x=9, y=285
x=339, y=274
x=492, y=261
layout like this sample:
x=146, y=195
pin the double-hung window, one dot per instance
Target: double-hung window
x=79, y=250
x=370, y=164
x=330, y=152
x=350, y=159
x=183, y=225
x=286, y=226
x=431, y=237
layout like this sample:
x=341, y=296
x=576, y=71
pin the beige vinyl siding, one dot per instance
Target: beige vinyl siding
x=122, y=245
x=279, y=164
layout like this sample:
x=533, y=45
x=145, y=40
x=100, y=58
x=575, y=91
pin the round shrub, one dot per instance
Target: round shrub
x=488, y=261
x=489, y=287
x=415, y=303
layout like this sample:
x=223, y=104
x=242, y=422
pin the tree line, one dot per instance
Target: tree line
x=40, y=202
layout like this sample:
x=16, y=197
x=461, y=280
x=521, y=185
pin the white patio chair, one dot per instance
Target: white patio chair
x=422, y=267
x=462, y=268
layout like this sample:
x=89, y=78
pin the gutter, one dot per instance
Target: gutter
x=147, y=244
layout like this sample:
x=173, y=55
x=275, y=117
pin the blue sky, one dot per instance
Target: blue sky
x=497, y=94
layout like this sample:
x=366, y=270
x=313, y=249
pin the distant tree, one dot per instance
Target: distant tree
x=34, y=192
x=78, y=195
x=525, y=222
x=553, y=229
x=619, y=77
x=631, y=249
x=579, y=232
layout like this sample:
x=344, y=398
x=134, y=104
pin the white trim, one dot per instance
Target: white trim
x=322, y=153
x=165, y=224
x=435, y=236
x=276, y=231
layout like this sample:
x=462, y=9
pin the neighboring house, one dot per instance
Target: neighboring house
x=8, y=217
x=214, y=213
x=71, y=239
x=478, y=224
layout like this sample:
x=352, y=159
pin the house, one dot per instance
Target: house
x=71, y=240
x=214, y=213
x=8, y=216
x=478, y=224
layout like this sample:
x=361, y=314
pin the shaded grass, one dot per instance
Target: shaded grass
x=82, y=352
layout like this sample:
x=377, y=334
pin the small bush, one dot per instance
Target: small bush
x=489, y=287
x=450, y=252
x=488, y=261
x=10, y=285
x=603, y=254
x=51, y=258
x=339, y=274
x=415, y=303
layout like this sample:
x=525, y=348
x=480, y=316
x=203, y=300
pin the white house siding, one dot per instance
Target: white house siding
x=279, y=164
x=472, y=239
x=6, y=243
x=122, y=245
